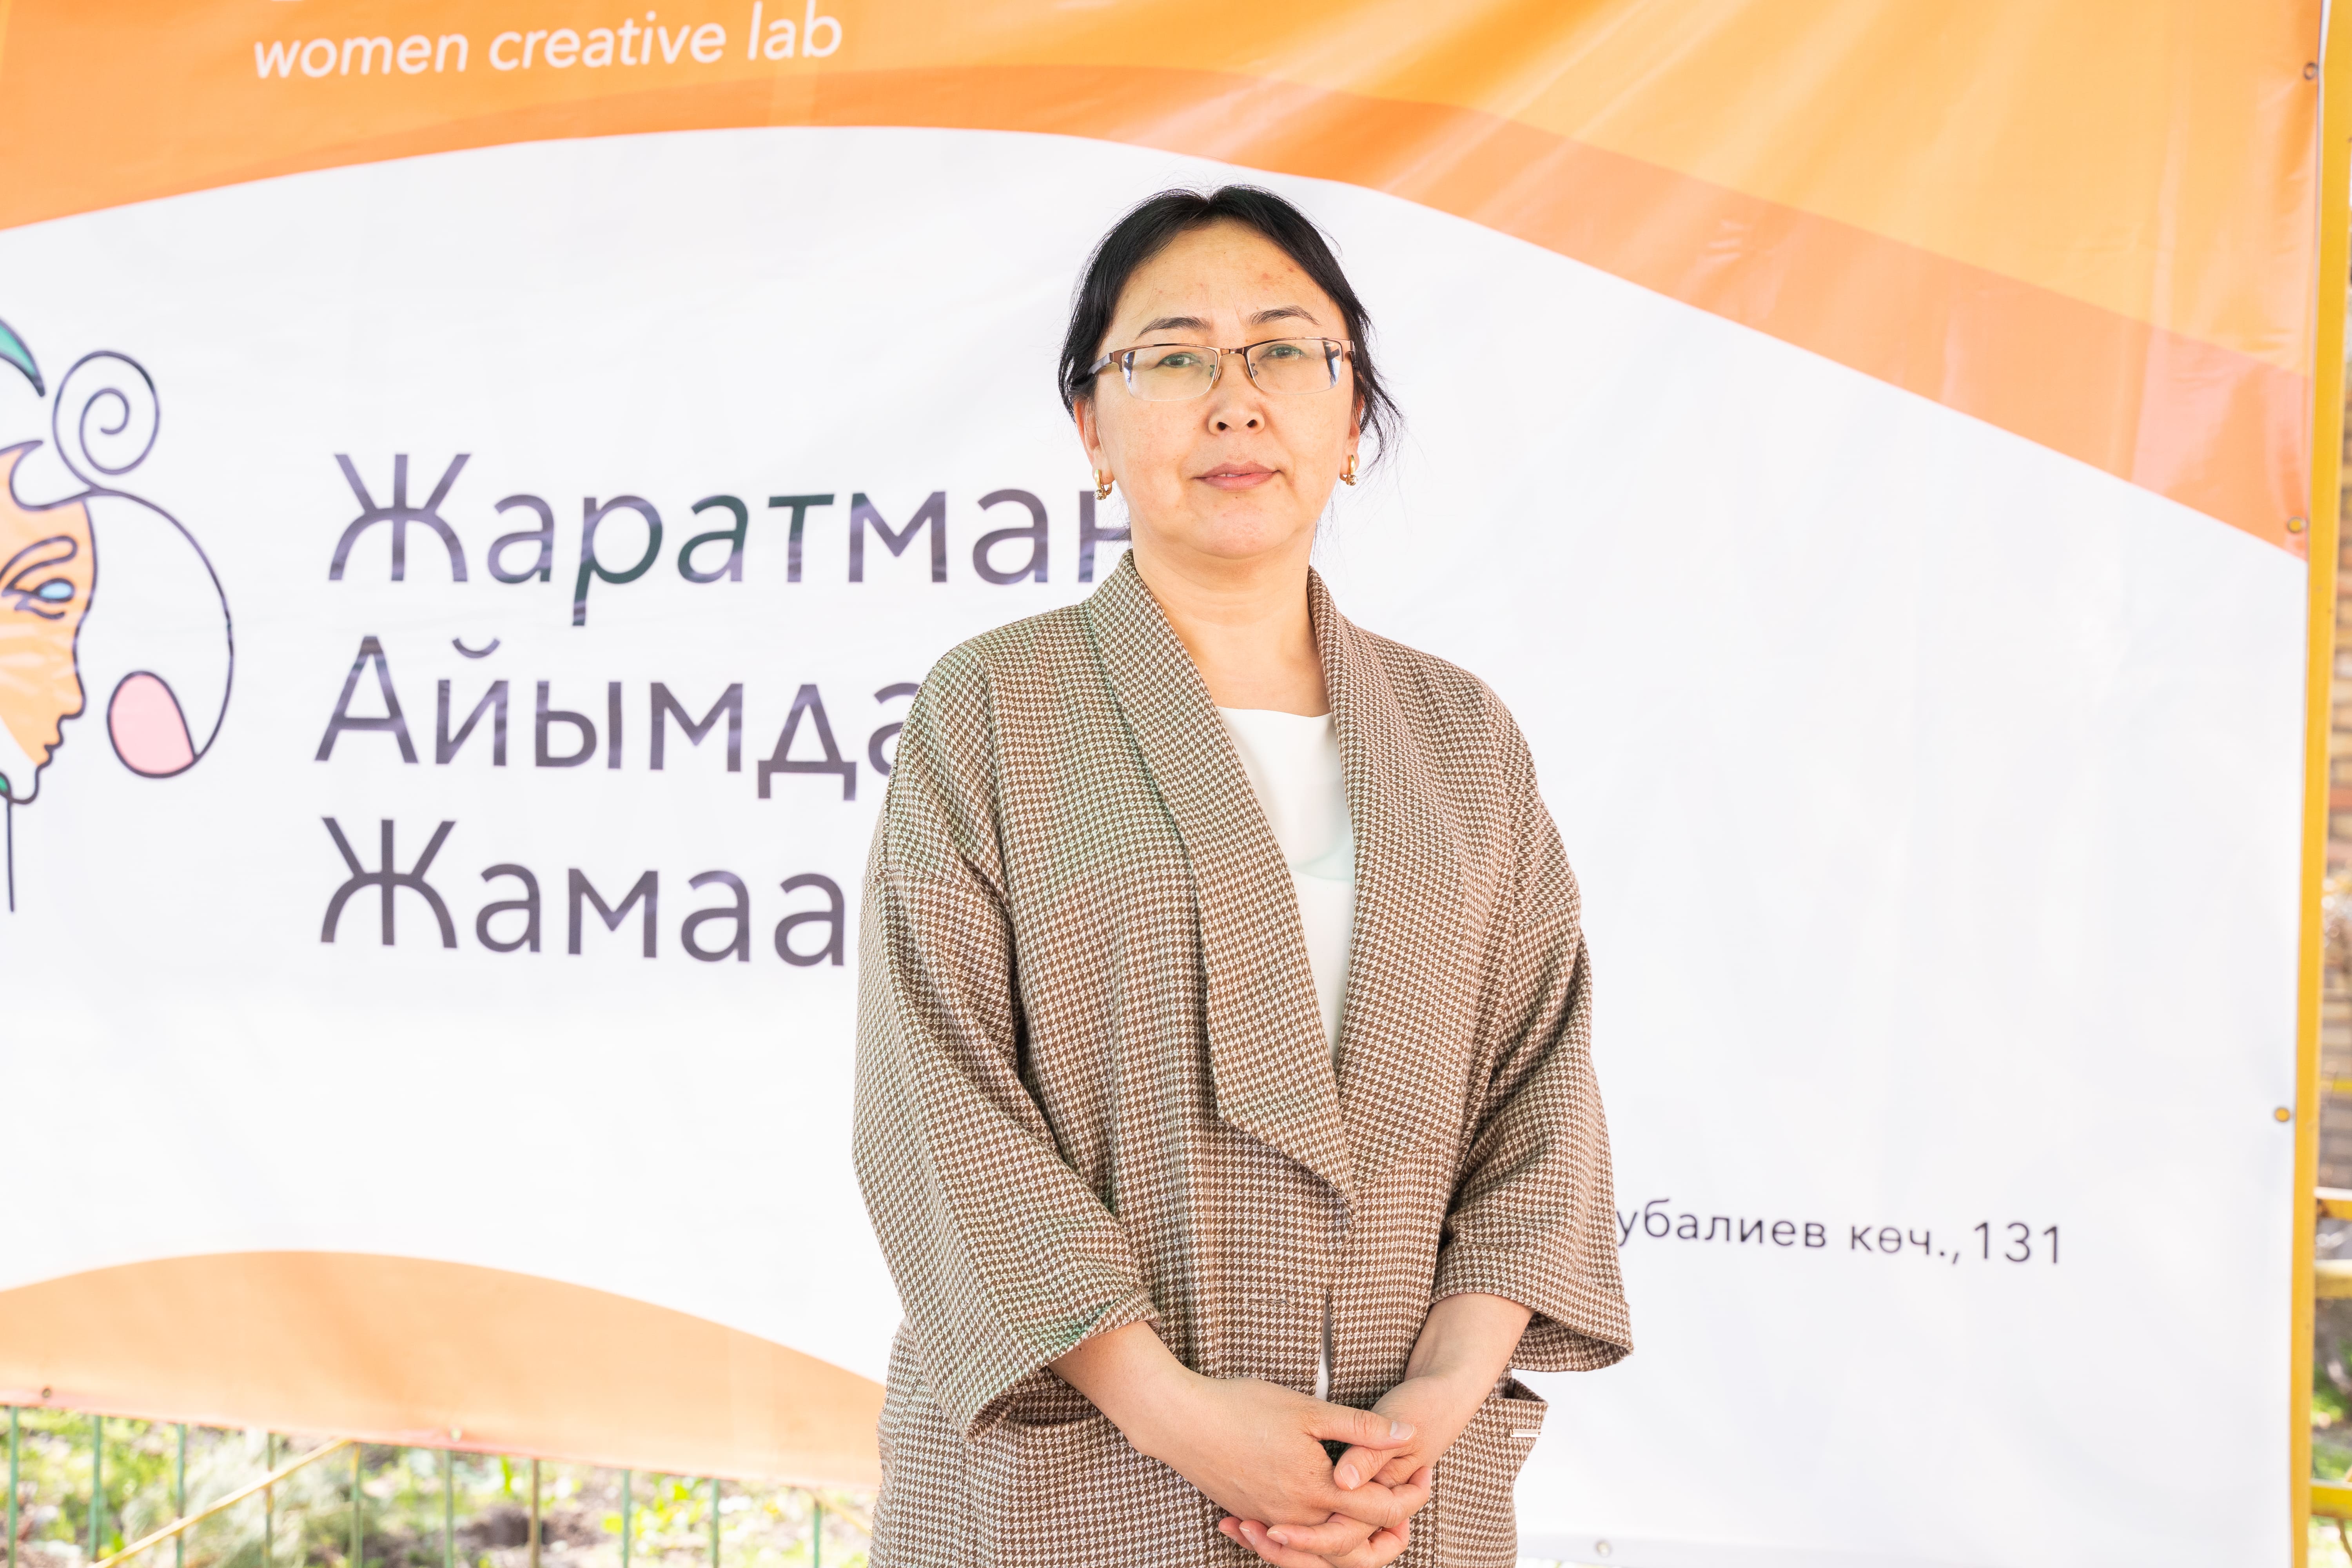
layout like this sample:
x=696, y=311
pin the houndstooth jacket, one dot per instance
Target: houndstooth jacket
x=1093, y=1088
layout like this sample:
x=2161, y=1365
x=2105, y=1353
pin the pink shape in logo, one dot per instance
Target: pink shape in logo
x=149, y=732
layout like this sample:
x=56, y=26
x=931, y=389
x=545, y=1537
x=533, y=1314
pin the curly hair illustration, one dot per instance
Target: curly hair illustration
x=104, y=587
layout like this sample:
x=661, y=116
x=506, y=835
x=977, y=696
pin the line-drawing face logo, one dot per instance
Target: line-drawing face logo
x=99, y=586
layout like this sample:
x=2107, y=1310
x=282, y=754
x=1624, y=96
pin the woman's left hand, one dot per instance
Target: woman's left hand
x=1442, y=1401
x=1465, y=1347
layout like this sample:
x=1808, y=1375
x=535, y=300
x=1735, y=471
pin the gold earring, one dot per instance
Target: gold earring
x=1348, y=474
x=1103, y=483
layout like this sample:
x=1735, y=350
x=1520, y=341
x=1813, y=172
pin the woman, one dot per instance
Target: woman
x=1223, y=1058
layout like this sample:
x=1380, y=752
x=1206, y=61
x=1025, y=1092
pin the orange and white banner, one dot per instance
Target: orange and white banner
x=482, y=481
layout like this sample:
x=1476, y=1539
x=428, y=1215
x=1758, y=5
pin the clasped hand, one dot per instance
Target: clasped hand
x=1384, y=1476
x=1255, y=1448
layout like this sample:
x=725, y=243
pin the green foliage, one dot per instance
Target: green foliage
x=401, y=1503
x=2331, y=1390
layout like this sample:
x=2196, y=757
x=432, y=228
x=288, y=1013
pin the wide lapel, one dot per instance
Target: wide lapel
x=1408, y=976
x=1267, y=1051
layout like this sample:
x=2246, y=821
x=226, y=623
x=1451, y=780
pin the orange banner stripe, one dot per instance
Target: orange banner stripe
x=404, y=1350
x=2217, y=430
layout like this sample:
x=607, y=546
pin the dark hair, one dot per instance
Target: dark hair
x=1146, y=230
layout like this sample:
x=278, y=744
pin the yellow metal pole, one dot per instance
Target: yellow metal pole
x=2324, y=507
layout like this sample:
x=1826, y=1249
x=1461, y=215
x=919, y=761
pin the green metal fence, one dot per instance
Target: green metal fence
x=95, y=1491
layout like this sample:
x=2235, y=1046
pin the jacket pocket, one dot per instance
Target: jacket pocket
x=1072, y=1490
x=1523, y=1412
x=1478, y=1525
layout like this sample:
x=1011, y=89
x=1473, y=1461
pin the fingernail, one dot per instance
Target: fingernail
x=1399, y=1430
x=1277, y=1538
x=1346, y=1476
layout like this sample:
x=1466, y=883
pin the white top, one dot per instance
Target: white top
x=1293, y=762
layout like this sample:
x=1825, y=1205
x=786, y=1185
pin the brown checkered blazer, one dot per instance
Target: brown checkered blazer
x=1093, y=1085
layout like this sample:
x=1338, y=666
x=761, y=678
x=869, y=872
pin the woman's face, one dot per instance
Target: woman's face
x=1237, y=473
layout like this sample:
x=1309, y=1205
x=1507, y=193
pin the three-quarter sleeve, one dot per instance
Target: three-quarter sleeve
x=1534, y=1215
x=1005, y=1258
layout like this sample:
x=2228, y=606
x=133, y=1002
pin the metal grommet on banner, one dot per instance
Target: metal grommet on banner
x=2296, y=525
x=2282, y=1114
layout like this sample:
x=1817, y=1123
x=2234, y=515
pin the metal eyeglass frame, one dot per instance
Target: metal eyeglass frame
x=1334, y=351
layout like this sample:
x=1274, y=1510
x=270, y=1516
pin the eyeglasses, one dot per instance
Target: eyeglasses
x=1172, y=373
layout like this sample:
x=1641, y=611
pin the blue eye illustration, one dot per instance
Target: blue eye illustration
x=22, y=581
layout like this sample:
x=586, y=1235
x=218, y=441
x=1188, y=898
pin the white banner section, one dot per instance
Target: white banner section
x=554, y=532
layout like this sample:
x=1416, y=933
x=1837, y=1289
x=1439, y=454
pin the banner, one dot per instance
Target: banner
x=484, y=483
